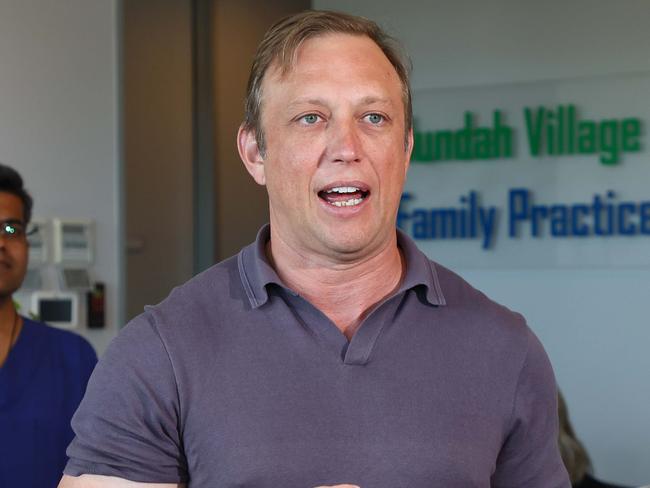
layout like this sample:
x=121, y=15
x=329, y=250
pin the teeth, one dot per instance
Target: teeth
x=348, y=203
x=343, y=189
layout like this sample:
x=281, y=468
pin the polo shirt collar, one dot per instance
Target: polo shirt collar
x=256, y=272
x=420, y=270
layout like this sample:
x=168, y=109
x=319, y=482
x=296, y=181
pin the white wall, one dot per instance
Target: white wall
x=593, y=322
x=59, y=121
x=472, y=42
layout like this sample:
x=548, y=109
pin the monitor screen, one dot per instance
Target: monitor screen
x=55, y=310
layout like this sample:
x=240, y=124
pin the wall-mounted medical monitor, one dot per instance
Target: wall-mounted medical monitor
x=73, y=241
x=60, y=309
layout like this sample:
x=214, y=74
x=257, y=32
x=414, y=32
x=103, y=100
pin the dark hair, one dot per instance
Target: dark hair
x=12, y=182
x=282, y=40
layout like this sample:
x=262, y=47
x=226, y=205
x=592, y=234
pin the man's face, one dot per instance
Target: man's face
x=336, y=157
x=13, y=250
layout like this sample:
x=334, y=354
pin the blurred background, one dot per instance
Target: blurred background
x=121, y=117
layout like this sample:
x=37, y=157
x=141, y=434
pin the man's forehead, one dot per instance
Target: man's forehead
x=283, y=66
x=11, y=206
x=343, y=59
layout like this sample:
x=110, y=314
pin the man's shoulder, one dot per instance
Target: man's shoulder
x=54, y=336
x=487, y=328
x=67, y=346
x=476, y=307
x=202, y=300
x=458, y=291
x=214, y=286
x=177, y=328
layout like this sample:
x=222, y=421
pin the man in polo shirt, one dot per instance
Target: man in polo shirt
x=331, y=351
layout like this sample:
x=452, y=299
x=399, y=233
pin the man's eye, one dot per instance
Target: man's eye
x=310, y=119
x=375, y=119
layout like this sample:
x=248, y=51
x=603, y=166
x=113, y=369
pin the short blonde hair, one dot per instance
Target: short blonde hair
x=575, y=457
x=283, y=39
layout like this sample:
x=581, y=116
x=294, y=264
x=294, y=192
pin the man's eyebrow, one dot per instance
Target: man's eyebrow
x=307, y=101
x=11, y=221
x=367, y=100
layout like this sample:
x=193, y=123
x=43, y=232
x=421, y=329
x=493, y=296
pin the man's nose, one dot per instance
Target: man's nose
x=344, y=143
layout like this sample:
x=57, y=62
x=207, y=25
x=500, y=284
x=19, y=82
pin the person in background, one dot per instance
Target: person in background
x=574, y=454
x=43, y=370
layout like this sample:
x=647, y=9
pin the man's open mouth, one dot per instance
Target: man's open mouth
x=344, y=196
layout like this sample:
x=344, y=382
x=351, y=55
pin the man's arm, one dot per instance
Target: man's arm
x=530, y=456
x=127, y=425
x=93, y=481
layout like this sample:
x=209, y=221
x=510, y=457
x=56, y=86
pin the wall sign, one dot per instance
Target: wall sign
x=549, y=131
x=557, y=175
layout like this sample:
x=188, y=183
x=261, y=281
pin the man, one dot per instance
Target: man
x=331, y=350
x=43, y=371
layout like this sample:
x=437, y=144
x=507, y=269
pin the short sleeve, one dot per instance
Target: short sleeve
x=127, y=424
x=530, y=455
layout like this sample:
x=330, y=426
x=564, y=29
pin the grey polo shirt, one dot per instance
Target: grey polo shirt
x=237, y=381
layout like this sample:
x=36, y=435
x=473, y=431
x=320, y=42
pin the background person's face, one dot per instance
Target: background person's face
x=336, y=120
x=14, y=251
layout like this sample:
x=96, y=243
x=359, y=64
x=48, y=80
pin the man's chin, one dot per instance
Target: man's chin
x=347, y=248
x=8, y=289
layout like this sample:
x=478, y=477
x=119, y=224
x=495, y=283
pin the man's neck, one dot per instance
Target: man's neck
x=7, y=314
x=9, y=327
x=344, y=291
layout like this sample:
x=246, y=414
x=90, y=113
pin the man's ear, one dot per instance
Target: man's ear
x=249, y=152
x=409, y=148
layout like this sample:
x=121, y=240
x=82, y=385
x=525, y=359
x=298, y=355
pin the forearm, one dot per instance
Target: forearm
x=95, y=481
